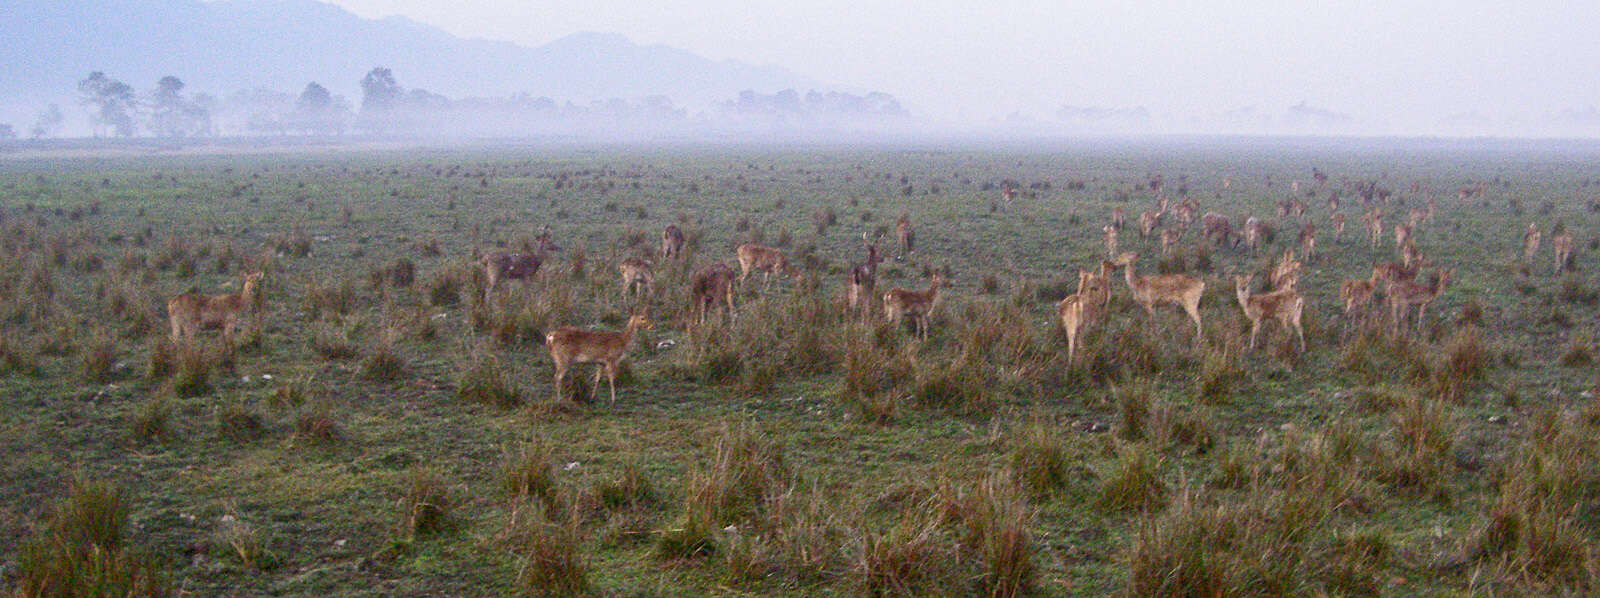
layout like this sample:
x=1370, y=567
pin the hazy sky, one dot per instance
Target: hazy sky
x=1392, y=65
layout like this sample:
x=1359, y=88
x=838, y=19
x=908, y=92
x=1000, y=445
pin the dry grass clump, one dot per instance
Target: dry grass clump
x=745, y=469
x=1579, y=351
x=1133, y=482
x=1221, y=377
x=238, y=422
x=1375, y=356
x=330, y=300
x=553, y=562
x=1038, y=459
x=1465, y=360
x=191, y=374
x=485, y=379
x=1418, y=455
x=427, y=503
x=384, y=363
x=915, y=557
x=316, y=424
x=80, y=552
x=527, y=473
x=799, y=541
x=151, y=420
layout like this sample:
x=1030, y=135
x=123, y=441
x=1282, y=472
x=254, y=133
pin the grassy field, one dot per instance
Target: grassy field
x=383, y=429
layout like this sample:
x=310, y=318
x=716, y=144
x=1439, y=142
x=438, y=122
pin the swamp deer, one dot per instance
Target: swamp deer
x=1338, y=228
x=899, y=304
x=1562, y=243
x=753, y=257
x=500, y=265
x=1286, y=273
x=1530, y=242
x=1111, y=240
x=1308, y=240
x=1149, y=221
x=671, y=242
x=1179, y=289
x=1410, y=256
x=1357, y=293
x=1119, y=217
x=1402, y=294
x=1078, y=309
x=191, y=312
x=1256, y=232
x=1402, y=235
x=1169, y=239
x=1217, y=229
x=712, y=284
x=907, y=235
x=636, y=276
x=1283, y=305
x=1373, y=220
x=863, y=279
x=570, y=346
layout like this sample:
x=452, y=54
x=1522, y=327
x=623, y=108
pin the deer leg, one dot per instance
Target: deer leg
x=611, y=379
x=1255, y=327
x=561, y=372
x=595, y=388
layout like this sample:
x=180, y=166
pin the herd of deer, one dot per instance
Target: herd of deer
x=715, y=284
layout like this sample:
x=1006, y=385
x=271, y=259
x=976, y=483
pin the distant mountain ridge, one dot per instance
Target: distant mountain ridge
x=231, y=45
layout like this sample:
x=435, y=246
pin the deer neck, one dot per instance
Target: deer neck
x=248, y=295
x=1243, y=293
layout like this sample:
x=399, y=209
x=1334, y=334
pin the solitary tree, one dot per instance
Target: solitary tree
x=379, y=91
x=48, y=123
x=110, y=102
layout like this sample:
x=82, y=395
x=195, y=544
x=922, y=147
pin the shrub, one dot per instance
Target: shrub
x=1133, y=482
x=383, y=363
x=427, y=503
x=554, y=565
x=150, y=421
x=1038, y=459
x=486, y=381
x=79, y=551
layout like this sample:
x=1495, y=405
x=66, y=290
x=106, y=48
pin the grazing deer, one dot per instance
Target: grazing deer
x=1186, y=210
x=1078, y=309
x=712, y=284
x=1169, y=239
x=907, y=235
x=636, y=276
x=1308, y=240
x=671, y=242
x=1530, y=242
x=1334, y=202
x=500, y=265
x=863, y=277
x=1179, y=289
x=1402, y=235
x=570, y=346
x=1255, y=233
x=1561, y=242
x=1148, y=221
x=901, y=303
x=1373, y=220
x=1286, y=273
x=1338, y=228
x=1118, y=217
x=753, y=257
x=191, y=312
x=1111, y=240
x=1410, y=256
x=1216, y=228
x=1402, y=294
x=1393, y=271
x=1285, y=306
x=1357, y=293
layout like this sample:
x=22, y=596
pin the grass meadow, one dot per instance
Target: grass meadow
x=381, y=427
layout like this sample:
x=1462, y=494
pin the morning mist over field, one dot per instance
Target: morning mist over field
x=612, y=69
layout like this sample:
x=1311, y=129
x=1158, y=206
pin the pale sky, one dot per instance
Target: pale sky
x=1392, y=65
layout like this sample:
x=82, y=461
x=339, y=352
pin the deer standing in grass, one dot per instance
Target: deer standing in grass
x=1078, y=309
x=907, y=235
x=500, y=265
x=1283, y=305
x=1410, y=256
x=863, y=279
x=1217, y=228
x=1149, y=221
x=1256, y=232
x=1308, y=240
x=899, y=304
x=1373, y=219
x=636, y=276
x=1169, y=239
x=1530, y=242
x=570, y=346
x=1179, y=289
x=1338, y=228
x=1561, y=242
x=1111, y=240
x=1402, y=236
x=1119, y=217
x=1357, y=293
x=753, y=257
x=1286, y=273
x=191, y=312
x=671, y=242
x=712, y=284
x=1402, y=294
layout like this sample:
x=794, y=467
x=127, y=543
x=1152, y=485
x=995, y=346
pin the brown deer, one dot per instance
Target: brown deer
x=570, y=346
x=1169, y=239
x=671, y=242
x=1148, y=222
x=1285, y=306
x=1256, y=232
x=899, y=304
x=636, y=276
x=1562, y=243
x=1118, y=217
x=1416, y=217
x=1111, y=240
x=753, y=257
x=1297, y=207
x=1078, y=309
x=1530, y=242
x=191, y=312
x=1402, y=294
x=1357, y=293
x=1179, y=289
x=712, y=284
x=1216, y=228
x=1308, y=240
x=863, y=279
x=1402, y=235
x=1186, y=210
x=1286, y=273
x=907, y=235
x=1410, y=256
x=1373, y=220
x=1338, y=228
x=500, y=265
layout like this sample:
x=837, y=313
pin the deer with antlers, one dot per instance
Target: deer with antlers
x=712, y=284
x=767, y=260
x=1078, y=309
x=906, y=234
x=1179, y=289
x=500, y=265
x=671, y=242
x=1403, y=294
x=637, y=278
x=1283, y=305
x=899, y=304
x=569, y=346
x=863, y=279
x=192, y=312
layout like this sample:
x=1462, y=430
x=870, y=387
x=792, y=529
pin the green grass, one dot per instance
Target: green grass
x=387, y=428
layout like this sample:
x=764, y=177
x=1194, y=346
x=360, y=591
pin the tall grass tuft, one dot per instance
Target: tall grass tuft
x=485, y=380
x=80, y=552
x=745, y=469
x=427, y=503
x=554, y=564
x=1038, y=459
x=1133, y=482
